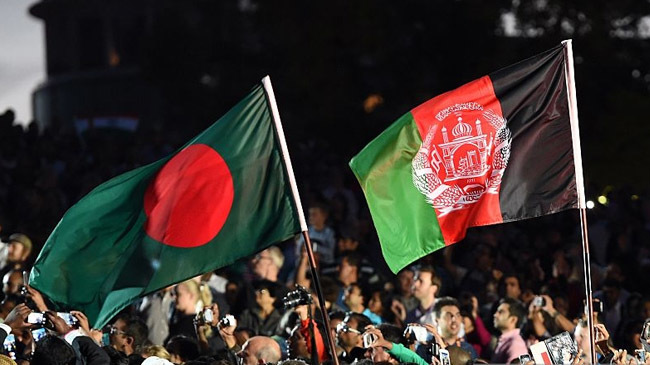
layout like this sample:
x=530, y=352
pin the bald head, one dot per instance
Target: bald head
x=260, y=348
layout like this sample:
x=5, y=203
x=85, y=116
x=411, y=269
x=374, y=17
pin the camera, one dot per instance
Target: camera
x=368, y=339
x=297, y=297
x=524, y=359
x=227, y=321
x=417, y=333
x=204, y=317
x=598, y=306
x=539, y=301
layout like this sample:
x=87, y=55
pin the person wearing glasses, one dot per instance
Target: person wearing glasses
x=128, y=334
x=348, y=336
x=446, y=312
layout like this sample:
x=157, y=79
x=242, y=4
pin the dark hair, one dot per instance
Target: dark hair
x=337, y=315
x=137, y=328
x=362, y=321
x=516, y=309
x=435, y=280
x=352, y=259
x=52, y=350
x=391, y=332
x=442, y=302
x=268, y=285
x=185, y=347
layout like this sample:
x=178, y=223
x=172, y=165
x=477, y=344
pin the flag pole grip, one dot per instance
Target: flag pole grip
x=321, y=298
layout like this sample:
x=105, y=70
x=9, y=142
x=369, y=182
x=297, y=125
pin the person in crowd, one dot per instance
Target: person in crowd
x=182, y=348
x=348, y=336
x=157, y=309
x=404, y=284
x=321, y=232
x=264, y=317
x=476, y=333
x=508, y=319
x=260, y=350
x=300, y=340
x=12, y=283
x=390, y=349
x=354, y=301
x=19, y=249
x=128, y=334
x=448, y=318
x=425, y=287
x=189, y=298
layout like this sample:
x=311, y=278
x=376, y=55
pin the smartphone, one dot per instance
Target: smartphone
x=36, y=318
x=9, y=346
x=524, y=359
x=38, y=334
x=443, y=356
x=69, y=319
x=640, y=354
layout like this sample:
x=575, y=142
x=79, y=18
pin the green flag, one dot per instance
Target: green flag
x=223, y=196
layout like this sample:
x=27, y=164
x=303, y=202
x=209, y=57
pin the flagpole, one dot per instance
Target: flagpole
x=580, y=187
x=266, y=82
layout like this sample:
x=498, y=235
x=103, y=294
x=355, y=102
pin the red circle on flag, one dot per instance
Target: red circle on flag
x=188, y=201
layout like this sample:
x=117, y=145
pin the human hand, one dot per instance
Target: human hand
x=579, y=359
x=56, y=323
x=380, y=340
x=548, y=305
x=620, y=358
x=83, y=321
x=36, y=296
x=434, y=331
x=302, y=312
x=398, y=309
x=17, y=318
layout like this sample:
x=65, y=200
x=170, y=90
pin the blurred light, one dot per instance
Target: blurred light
x=602, y=200
x=113, y=58
x=634, y=197
x=372, y=102
x=590, y=204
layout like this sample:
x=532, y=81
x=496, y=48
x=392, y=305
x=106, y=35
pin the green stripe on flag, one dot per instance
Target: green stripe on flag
x=406, y=224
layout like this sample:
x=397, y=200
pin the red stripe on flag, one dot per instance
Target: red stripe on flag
x=458, y=130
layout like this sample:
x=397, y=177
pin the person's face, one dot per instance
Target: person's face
x=262, y=263
x=333, y=325
x=512, y=288
x=185, y=300
x=12, y=283
x=449, y=321
x=374, y=304
x=502, y=319
x=405, y=281
x=354, y=297
x=422, y=287
x=317, y=217
x=15, y=252
x=345, y=269
x=348, y=336
x=118, y=338
x=582, y=340
x=297, y=344
x=263, y=298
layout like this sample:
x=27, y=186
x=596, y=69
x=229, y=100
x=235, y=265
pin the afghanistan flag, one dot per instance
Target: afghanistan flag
x=497, y=149
x=223, y=196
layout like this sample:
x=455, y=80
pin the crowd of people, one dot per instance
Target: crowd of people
x=487, y=299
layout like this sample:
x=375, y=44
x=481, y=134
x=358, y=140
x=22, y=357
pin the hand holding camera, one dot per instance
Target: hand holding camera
x=17, y=318
x=372, y=337
x=297, y=297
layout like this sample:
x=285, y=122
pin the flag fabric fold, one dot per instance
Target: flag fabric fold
x=494, y=150
x=221, y=197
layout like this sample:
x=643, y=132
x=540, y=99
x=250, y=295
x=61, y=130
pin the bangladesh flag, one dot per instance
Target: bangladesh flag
x=223, y=196
x=495, y=150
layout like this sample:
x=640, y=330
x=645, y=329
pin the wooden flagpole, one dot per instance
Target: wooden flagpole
x=266, y=82
x=580, y=186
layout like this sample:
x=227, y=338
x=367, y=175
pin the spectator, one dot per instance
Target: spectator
x=260, y=350
x=448, y=319
x=508, y=319
x=348, y=334
x=425, y=288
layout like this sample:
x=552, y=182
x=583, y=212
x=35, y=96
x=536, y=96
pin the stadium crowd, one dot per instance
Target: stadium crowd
x=487, y=299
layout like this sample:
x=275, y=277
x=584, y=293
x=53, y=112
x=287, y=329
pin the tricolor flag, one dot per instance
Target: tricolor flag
x=223, y=196
x=498, y=149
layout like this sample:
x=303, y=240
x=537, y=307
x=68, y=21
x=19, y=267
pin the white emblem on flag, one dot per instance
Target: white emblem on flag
x=462, y=157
